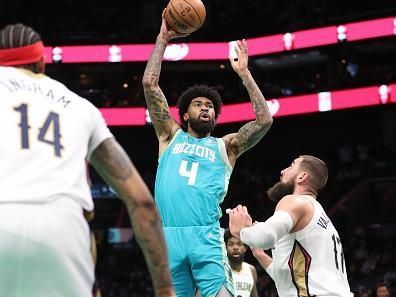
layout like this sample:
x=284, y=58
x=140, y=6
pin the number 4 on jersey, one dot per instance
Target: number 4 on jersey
x=191, y=174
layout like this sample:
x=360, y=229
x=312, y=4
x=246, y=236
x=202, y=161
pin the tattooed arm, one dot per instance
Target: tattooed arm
x=164, y=125
x=113, y=164
x=250, y=133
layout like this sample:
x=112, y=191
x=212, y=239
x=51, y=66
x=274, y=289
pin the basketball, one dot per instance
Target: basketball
x=185, y=16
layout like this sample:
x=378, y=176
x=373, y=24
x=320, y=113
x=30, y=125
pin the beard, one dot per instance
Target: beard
x=202, y=127
x=236, y=260
x=280, y=190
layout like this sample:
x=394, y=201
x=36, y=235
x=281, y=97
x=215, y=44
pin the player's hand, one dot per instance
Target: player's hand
x=166, y=32
x=239, y=219
x=241, y=64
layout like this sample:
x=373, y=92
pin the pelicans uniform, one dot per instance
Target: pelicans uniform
x=310, y=262
x=191, y=183
x=243, y=281
x=47, y=134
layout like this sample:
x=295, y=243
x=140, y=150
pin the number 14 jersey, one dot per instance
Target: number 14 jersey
x=192, y=180
x=47, y=135
x=311, y=262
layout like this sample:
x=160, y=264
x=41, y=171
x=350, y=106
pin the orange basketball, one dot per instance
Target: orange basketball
x=185, y=16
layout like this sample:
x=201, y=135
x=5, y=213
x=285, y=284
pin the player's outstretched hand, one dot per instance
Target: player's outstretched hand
x=240, y=65
x=239, y=219
x=167, y=33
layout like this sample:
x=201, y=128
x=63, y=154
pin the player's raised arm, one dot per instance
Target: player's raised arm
x=250, y=133
x=115, y=167
x=164, y=124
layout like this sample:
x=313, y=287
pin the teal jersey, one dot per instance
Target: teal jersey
x=192, y=180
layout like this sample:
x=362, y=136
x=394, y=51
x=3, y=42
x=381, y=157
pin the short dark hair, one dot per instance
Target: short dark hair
x=382, y=284
x=227, y=235
x=18, y=35
x=194, y=92
x=318, y=171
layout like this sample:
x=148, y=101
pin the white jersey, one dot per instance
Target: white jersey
x=47, y=134
x=243, y=281
x=311, y=262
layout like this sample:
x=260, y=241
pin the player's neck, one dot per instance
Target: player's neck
x=236, y=266
x=197, y=135
x=305, y=192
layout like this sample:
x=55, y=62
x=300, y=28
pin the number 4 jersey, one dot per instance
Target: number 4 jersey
x=310, y=262
x=192, y=180
x=47, y=132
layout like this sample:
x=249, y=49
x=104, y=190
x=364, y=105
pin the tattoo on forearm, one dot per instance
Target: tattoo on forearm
x=157, y=105
x=251, y=133
x=155, y=99
x=259, y=105
x=112, y=161
x=153, y=67
x=113, y=164
x=148, y=232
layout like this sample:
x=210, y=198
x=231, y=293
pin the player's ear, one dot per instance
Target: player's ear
x=185, y=116
x=302, y=176
x=41, y=65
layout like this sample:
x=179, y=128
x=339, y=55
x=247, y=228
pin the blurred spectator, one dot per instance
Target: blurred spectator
x=382, y=290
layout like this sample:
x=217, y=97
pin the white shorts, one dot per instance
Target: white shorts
x=45, y=250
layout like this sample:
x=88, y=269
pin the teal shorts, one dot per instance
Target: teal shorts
x=198, y=260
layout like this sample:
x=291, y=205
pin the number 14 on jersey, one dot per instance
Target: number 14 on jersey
x=50, y=124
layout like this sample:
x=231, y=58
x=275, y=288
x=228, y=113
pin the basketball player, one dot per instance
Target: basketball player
x=47, y=133
x=244, y=274
x=194, y=169
x=308, y=259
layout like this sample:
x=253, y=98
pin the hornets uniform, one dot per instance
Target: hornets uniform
x=191, y=183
